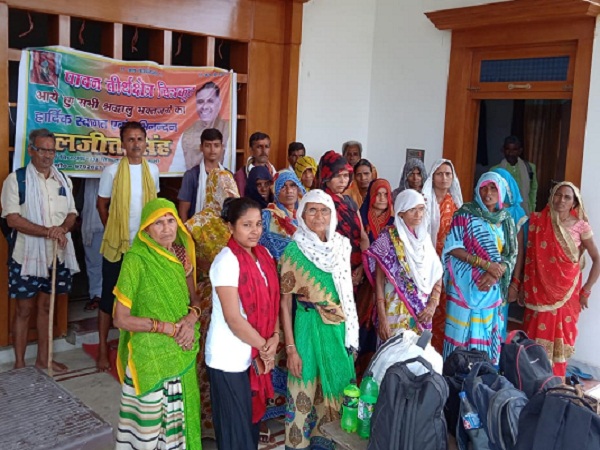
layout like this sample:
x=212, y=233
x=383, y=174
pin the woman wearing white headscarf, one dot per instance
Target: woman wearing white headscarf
x=443, y=196
x=319, y=344
x=405, y=270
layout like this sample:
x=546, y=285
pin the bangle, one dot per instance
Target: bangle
x=290, y=345
x=276, y=333
x=515, y=280
x=174, y=330
x=154, y=325
x=381, y=300
x=585, y=292
x=196, y=310
x=514, y=286
x=486, y=265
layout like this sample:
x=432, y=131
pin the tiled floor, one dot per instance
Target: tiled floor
x=101, y=392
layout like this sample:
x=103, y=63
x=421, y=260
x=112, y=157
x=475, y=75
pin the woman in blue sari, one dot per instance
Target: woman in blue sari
x=279, y=217
x=512, y=202
x=479, y=258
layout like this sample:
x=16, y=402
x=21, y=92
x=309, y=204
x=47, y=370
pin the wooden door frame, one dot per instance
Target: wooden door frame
x=523, y=23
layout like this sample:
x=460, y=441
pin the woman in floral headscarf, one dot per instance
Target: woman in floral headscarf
x=335, y=176
x=210, y=234
x=554, y=295
x=479, y=257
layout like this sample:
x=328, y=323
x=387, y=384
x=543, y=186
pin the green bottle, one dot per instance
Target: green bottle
x=350, y=407
x=369, y=391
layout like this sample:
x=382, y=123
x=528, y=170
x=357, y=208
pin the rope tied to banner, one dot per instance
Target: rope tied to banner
x=134, y=40
x=178, y=45
x=22, y=35
x=81, y=28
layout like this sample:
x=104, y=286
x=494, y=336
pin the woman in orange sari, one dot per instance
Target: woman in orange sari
x=554, y=294
x=444, y=197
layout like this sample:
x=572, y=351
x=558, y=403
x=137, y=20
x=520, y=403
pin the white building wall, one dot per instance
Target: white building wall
x=335, y=73
x=586, y=348
x=377, y=71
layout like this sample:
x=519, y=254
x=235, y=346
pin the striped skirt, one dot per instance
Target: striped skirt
x=473, y=328
x=154, y=421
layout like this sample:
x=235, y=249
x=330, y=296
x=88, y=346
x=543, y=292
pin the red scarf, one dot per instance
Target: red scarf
x=261, y=304
x=378, y=223
x=348, y=224
x=549, y=270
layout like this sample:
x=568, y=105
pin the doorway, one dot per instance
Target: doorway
x=535, y=53
x=542, y=127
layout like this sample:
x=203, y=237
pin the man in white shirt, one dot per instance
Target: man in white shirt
x=38, y=205
x=143, y=187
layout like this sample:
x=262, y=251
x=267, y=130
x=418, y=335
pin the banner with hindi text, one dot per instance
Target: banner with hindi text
x=84, y=98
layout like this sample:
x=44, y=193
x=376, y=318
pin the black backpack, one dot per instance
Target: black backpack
x=409, y=411
x=525, y=364
x=498, y=404
x=559, y=418
x=456, y=367
x=10, y=233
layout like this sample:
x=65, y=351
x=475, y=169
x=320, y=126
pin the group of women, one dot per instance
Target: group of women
x=269, y=304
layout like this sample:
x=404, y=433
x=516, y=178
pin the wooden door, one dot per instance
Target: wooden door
x=515, y=31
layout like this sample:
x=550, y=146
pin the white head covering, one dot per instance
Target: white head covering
x=424, y=263
x=432, y=218
x=332, y=256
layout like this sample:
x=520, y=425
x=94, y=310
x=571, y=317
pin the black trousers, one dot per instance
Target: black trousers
x=110, y=275
x=232, y=410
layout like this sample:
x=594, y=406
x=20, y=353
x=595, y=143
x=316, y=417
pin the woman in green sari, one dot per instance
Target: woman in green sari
x=157, y=311
x=320, y=343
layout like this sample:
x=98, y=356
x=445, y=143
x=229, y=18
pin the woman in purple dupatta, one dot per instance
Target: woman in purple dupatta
x=404, y=269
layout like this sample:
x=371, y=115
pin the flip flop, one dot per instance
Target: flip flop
x=92, y=304
x=265, y=437
x=580, y=374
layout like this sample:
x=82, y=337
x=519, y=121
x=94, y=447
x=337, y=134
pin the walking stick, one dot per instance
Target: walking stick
x=51, y=314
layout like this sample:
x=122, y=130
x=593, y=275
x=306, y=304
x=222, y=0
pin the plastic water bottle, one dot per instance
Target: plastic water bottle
x=478, y=437
x=469, y=417
x=369, y=391
x=350, y=407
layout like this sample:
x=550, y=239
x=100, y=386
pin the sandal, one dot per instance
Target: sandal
x=92, y=304
x=265, y=437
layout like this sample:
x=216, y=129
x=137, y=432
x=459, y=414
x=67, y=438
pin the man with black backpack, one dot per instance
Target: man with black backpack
x=38, y=208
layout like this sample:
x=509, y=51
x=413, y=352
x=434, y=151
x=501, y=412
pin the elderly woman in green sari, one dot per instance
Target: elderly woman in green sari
x=157, y=311
x=322, y=337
